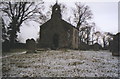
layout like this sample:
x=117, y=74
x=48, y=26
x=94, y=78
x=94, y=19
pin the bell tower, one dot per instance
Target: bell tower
x=56, y=11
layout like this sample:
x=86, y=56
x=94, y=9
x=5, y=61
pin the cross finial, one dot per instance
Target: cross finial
x=56, y=1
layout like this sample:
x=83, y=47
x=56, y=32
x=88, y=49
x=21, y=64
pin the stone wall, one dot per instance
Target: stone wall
x=66, y=33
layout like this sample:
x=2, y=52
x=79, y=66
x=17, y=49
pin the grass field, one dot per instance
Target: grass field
x=61, y=63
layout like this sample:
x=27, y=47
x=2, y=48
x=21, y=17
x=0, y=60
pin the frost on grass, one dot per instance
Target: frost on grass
x=70, y=63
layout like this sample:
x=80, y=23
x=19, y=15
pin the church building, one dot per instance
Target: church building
x=57, y=33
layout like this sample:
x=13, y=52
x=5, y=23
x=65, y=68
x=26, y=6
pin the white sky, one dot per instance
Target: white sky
x=105, y=15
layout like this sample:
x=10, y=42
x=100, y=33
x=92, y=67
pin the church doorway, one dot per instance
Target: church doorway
x=56, y=40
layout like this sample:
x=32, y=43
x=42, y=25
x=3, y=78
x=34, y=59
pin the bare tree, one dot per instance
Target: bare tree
x=4, y=31
x=86, y=33
x=107, y=37
x=97, y=34
x=82, y=14
x=88, y=30
x=82, y=17
x=63, y=8
x=46, y=13
x=92, y=32
x=18, y=12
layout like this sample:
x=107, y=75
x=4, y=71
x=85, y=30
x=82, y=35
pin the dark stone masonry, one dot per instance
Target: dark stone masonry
x=57, y=33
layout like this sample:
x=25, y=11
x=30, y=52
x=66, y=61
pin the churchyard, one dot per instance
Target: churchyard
x=60, y=63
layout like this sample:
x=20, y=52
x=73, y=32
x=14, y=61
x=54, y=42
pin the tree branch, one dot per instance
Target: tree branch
x=11, y=9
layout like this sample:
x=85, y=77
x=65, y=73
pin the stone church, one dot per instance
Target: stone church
x=57, y=33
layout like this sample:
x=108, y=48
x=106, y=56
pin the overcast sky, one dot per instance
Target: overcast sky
x=105, y=15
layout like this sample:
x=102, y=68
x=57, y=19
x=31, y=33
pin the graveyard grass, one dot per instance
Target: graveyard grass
x=61, y=63
x=13, y=51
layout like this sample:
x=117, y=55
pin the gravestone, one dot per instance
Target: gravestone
x=31, y=45
x=97, y=47
x=6, y=46
x=115, y=48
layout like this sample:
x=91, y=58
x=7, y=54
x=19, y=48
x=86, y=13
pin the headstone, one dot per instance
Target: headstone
x=97, y=47
x=115, y=48
x=31, y=45
x=6, y=46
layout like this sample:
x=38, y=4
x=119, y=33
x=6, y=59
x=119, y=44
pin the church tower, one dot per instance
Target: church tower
x=56, y=11
x=56, y=33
